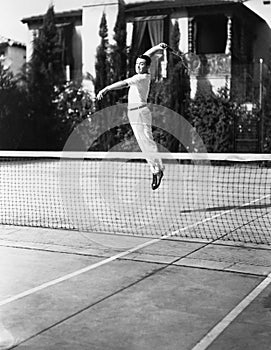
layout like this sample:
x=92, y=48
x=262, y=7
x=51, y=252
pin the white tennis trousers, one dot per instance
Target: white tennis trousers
x=141, y=123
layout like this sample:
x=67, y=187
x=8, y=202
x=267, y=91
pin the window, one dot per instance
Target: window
x=211, y=34
x=147, y=32
x=65, y=35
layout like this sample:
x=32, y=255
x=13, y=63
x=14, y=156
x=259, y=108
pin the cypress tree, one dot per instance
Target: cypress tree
x=119, y=51
x=177, y=82
x=44, y=74
x=46, y=58
x=102, y=68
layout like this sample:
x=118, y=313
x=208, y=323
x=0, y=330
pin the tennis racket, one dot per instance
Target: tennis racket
x=189, y=60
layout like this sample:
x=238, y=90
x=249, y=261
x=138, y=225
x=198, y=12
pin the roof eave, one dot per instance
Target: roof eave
x=174, y=4
x=73, y=15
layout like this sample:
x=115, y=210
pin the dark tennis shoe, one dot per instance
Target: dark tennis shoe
x=156, y=179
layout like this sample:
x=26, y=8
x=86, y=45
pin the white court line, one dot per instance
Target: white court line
x=214, y=333
x=112, y=258
x=78, y=272
x=218, y=215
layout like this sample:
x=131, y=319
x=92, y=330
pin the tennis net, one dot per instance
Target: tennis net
x=202, y=196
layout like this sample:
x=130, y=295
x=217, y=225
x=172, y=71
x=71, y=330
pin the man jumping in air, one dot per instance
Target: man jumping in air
x=139, y=114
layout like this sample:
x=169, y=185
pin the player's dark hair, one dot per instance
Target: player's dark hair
x=146, y=58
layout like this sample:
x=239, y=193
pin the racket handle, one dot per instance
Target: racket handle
x=170, y=49
x=174, y=52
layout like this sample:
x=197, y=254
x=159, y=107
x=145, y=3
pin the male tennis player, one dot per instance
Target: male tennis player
x=139, y=113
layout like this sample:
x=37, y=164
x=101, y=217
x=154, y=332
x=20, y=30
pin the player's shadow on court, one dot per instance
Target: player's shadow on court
x=225, y=208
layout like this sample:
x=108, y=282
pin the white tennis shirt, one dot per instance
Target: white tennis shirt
x=139, y=89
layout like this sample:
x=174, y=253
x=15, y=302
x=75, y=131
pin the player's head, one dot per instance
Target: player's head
x=143, y=63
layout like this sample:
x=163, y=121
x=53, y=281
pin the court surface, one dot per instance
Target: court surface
x=64, y=289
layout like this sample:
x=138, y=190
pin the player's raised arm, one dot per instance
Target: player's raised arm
x=155, y=48
x=116, y=86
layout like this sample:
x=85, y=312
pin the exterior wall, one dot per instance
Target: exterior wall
x=29, y=44
x=17, y=57
x=262, y=45
x=77, y=52
x=129, y=33
x=29, y=47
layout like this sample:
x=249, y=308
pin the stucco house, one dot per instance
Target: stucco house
x=12, y=54
x=229, y=39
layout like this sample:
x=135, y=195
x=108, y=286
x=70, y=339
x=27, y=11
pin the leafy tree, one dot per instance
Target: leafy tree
x=13, y=111
x=45, y=71
x=7, y=80
x=73, y=105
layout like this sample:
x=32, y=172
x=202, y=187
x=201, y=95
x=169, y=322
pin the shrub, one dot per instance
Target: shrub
x=13, y=112
x=72, y=106
x=213, y=118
